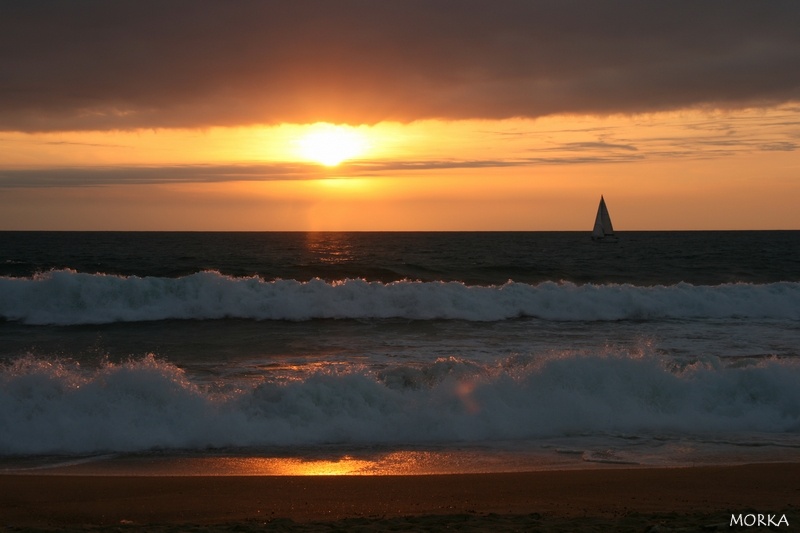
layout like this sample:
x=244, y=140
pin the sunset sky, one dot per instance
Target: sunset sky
x=399, y=115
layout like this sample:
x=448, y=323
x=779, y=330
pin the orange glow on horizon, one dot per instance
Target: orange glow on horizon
x=732, y=170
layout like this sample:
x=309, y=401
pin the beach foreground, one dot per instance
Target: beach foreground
x=635, y=499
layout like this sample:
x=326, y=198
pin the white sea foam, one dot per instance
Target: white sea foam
x=68, y=297
x=60, y=407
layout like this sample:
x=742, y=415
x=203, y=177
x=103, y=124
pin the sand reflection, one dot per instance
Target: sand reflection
x=395, y=463
x=392, y=463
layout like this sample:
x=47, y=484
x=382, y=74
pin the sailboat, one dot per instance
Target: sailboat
x=603, y=230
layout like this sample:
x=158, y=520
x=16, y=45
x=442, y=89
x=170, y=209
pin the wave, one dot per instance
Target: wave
x=66, y=297
x=49, y=407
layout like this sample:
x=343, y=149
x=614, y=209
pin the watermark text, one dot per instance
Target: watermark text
x=762, y=520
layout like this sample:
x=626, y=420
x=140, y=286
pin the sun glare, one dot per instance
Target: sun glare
x=329, y=145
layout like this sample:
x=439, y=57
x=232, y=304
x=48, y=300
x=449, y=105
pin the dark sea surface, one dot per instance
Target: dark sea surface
x=507, y=350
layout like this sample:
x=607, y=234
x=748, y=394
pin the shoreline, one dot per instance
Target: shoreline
x=604, y=496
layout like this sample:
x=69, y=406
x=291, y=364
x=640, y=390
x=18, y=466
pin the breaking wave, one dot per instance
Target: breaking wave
x=60, y=407
x=65, y=297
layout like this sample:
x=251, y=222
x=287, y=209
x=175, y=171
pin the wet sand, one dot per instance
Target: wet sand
x=625, y=499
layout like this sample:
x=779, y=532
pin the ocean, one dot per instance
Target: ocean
x=374, y=353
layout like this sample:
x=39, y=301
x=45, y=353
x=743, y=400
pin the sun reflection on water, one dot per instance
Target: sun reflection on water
x=299, y=467
x=331, y=248
x=358, y=463
x=382, y=464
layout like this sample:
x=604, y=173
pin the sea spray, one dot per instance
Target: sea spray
x=66, y=297
x=49, y=407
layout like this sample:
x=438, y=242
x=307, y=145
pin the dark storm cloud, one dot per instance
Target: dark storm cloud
x=99, y=64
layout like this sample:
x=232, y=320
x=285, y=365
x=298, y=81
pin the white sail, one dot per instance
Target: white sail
x=603, y=229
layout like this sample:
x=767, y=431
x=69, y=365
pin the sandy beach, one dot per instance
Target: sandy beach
x=635, y=499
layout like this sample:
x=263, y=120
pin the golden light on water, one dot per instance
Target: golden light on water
x=393, y=463
x=381, y=464
x=342, y=467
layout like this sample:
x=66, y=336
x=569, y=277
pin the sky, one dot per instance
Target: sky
x=399, y=115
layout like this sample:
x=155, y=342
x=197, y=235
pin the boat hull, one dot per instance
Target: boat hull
x=607, y=238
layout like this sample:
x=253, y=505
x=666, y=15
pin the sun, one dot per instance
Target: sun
x=329, y=144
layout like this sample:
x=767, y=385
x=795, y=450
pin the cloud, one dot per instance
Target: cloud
x=141, y=175
x=97, y=176
x=131, y=64
x=579, y=146
x=572, y=153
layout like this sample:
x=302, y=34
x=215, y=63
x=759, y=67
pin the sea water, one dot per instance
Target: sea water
x=398, y=352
